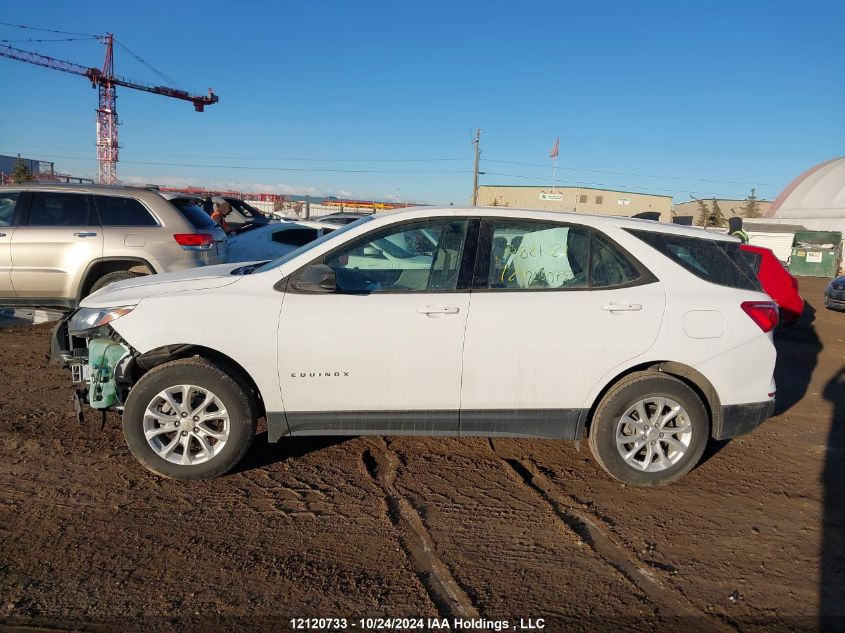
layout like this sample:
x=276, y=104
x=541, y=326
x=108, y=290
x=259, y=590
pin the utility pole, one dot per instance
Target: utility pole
x=475, y=168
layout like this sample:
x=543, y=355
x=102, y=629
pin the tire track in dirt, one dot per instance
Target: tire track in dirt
x=672, y=605
x=447, y=596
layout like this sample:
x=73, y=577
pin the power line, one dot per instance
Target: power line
x=148, y=65
x=35, y=28
x=268, y=168
x=628, y=173
x=613, y=187
x=54, y=39
x=273, y=158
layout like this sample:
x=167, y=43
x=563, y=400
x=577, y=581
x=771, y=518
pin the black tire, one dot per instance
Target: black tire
x=614, y=405
x=108, y=278
x=236, y=398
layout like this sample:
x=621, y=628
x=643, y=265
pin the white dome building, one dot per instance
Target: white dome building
x=816, y=199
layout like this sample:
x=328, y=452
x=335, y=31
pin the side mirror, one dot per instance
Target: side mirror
x=315, y=278
x=372, y=251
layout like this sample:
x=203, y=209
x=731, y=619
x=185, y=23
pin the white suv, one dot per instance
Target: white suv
x=646, y=338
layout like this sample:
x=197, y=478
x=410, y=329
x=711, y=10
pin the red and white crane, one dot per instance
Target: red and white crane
x=106, y=82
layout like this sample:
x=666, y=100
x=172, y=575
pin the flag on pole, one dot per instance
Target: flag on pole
x=555, y=148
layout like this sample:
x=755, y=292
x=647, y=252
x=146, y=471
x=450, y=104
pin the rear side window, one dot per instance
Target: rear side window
x=541, y=255
x=531, y=255
x=715, y=261
x=116, y=211
x=8, y=200
x=193, y=213
x=295, y=237
x=50, y=208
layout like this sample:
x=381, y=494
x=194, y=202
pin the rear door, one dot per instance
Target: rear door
x=555, y=307
x=57, y=239
x=129, y=228
x=8, y=204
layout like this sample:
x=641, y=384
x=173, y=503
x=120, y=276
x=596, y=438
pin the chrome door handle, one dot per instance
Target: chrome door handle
x=622, y=307
x=85, y=234
x=439, y=310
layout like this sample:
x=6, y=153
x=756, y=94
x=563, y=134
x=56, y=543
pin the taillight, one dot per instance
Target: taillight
x=763, y=313
x=194, y=241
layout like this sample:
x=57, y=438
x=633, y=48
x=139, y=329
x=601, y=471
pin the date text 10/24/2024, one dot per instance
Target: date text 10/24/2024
x=416, y=624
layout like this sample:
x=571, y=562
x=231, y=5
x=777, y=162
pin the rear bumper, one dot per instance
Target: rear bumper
x=739, y=419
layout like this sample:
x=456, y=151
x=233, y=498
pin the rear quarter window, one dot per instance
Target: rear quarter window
x=716, y=261
x=193, y=213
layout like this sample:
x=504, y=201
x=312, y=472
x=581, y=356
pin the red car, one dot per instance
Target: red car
x=778, y=283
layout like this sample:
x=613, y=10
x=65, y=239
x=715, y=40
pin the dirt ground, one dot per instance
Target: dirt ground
x=419, y=527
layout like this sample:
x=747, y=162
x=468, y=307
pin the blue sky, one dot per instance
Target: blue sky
x=704, y=98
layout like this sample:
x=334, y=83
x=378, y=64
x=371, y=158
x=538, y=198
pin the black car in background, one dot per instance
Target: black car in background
x=244, y=216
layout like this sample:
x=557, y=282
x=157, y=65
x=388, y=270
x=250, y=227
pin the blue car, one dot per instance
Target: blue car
x=834, y=294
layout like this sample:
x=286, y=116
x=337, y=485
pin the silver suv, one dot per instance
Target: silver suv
x=59, y=243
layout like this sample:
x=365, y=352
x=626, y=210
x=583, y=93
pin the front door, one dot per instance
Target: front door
x=8, y=202
x=382, y=354
x=555, y=307
x=59, y=237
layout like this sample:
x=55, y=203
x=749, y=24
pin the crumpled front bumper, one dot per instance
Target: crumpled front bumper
x=98, y=365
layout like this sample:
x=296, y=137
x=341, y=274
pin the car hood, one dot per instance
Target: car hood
x=131, y=291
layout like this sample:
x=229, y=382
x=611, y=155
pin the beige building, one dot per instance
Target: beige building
x=730, y=207
x=578, y=199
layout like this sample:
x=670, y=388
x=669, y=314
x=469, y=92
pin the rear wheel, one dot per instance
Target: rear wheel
x=188, y=419
x=649, y=430
x=118, y=275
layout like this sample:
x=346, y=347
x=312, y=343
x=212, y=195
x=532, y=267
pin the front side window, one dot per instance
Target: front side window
x=423, y=256
x=50, y=208
x=8, y=200
x=530, y=255
x=116, y=211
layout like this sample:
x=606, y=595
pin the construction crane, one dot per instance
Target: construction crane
x=106, y=82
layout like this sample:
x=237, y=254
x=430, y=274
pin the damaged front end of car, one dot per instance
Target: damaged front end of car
x=99, y=360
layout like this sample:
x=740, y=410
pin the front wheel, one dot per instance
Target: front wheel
x=187, y=419
x=649, y=430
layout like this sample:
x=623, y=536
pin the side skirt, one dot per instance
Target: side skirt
x=563, y=424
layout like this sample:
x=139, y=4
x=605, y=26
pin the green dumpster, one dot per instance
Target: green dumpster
x=816, y=253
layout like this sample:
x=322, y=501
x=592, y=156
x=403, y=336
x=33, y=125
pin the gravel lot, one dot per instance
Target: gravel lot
x=454, y=528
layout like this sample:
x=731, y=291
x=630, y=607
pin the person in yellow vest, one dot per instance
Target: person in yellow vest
x=735, y=229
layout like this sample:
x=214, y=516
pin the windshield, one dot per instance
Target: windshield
x=275, y=263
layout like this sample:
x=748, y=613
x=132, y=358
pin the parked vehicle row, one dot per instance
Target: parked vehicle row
x=644, y=338
x=58, y=243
